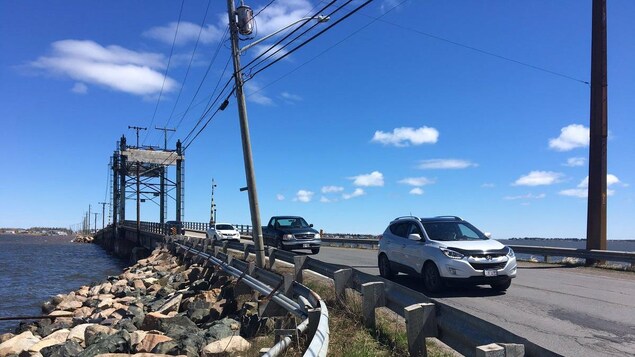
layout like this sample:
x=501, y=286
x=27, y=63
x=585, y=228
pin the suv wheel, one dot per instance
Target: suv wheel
x=502, y=286
x=315, y=250
x=384, y=267
x=431, y=278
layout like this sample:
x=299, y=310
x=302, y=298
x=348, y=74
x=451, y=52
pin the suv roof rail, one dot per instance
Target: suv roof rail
x=415, y=217
x=454, y=217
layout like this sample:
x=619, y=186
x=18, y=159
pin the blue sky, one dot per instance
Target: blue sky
x=425, y=111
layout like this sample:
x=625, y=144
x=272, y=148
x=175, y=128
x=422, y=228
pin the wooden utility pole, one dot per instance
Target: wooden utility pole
x=596, y=212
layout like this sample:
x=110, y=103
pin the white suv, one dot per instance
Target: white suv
x=222, y=231
x=443, y=249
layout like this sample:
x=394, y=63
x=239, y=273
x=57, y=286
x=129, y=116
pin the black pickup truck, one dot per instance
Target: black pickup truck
x=291, y=232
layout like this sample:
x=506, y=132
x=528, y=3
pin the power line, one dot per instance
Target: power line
x=189, y=65
x=165, y=75
x=203, y=80
x=313, y=37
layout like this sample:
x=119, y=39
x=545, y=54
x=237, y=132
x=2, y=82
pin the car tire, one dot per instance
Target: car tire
x=315, y=250
x=502, y=286
x=431, y=278
x=384, y=267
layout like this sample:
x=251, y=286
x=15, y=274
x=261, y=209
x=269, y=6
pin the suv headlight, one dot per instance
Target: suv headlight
x=317, y=235
x=452, y=254
x=510, y=253
x=287, y=236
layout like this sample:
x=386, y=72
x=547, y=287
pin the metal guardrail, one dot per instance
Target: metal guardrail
x=459, y=330
x=605, y=255
x=312, y=308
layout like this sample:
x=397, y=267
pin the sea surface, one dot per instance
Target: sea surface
x=35, y=268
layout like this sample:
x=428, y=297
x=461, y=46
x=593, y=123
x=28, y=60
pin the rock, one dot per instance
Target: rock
x=6, y=336
x=138, y=285
x=19, y=343
x=83, y=312
x=136, y=337
x=126, y=324
x=150, y=341
x=119, y=342
x=94, y=290
x=92, y=332
x=152, y=321
x=48, y=307
x=194, y=273
x=143, y=354
x=83, y=291
x=105, y=303
x=222, y=328
x=226, y=346
x=56, y=338
x=105, y=288
x=59, y=313
x=68, y=348
x=171, y=305
x=77, y=333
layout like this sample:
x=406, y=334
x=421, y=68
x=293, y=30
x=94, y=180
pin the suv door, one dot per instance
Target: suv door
x=412, y=251
x=392, y=242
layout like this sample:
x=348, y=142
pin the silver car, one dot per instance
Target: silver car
x=223, y=231
x=444, y=249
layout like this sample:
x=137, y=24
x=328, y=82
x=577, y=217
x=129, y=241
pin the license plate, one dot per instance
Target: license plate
x=490, y=272
x=306, y=245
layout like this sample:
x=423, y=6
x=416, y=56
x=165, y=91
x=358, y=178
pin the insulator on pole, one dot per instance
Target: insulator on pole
x=245, y=20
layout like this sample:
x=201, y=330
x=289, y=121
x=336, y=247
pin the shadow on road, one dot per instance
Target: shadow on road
x=450, y=291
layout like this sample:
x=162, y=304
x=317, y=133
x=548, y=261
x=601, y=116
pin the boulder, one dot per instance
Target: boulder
x=68, y=348
x=142, y=354
x=83, y=312
x=6, y=336
x=105, y=303
x=105, y=288
x=17, y=344
x=138, y=285
x=77, y=333
x=56, y=338
x=226, y=346
x=94, y=291
x=136, y=337
x=117, y=343
x=150, y=341
x=222, y=328
x=171, y=305
x=92, y=333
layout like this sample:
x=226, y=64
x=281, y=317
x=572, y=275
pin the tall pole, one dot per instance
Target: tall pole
x=138, y=202
x=179, y=181
x=95, y=227
x=212, y=208
x=596, y=212
x=246, y=141
x=165, y=136
x=137, y=128
x=103, y=213
x=89, y=218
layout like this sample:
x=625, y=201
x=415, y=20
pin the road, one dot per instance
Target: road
x=574, y=311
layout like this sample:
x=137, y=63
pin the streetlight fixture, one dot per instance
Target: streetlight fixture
x=241, y=19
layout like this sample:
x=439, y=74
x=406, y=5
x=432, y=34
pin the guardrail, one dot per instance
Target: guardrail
x=311, y=307
x=425, y=317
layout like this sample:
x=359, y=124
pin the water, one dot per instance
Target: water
x=614, y=245
x=34, y=268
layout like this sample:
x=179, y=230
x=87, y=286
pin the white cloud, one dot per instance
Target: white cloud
x=575, y=161
x=188, y=32
x=280, y=197
x=529, y=196
x=374, y=178
x=416, y=191
x=255, y=94
x=80, y=88
x=539, y=178
x=582, y=189
x=303, y=196
x=445, y=164
x=407, y=136
x=280, y=14
x=112, y=66
x=324, y=199
x=358, y=192
x=488, y=185
x=571, y=137
x=417, y=181
x=290, y=98
x=332, y=189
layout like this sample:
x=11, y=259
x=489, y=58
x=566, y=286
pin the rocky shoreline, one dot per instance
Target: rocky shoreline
x=156, y=307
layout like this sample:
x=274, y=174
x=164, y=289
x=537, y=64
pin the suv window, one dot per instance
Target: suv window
x=400, y=229
x=452, y=231
x=224, y=227
x=414, y=229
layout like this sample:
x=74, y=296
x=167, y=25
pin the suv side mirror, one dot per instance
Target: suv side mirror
x=311, y=225
x=414, y=236
x=488, y=234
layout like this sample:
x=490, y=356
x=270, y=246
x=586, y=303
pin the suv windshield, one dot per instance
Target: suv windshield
x=452, y=231
x=224, y=227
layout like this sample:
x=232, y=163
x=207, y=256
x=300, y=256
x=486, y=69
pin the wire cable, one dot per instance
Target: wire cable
x=189, y=65
x=165, y=75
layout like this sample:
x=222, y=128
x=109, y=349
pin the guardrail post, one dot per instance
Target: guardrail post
x=245, y=251
x=288, y=285
x=314, y=320
x=420, y=323
x=298, y=262
x=251, y=268
x=272, y=257
x=216, y=251
x=372, y=297
x=491, y=350
x=225, y=247
x=342, y=279
x=513, y=349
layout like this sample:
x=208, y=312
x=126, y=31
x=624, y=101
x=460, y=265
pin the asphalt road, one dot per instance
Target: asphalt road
x=572, y=311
